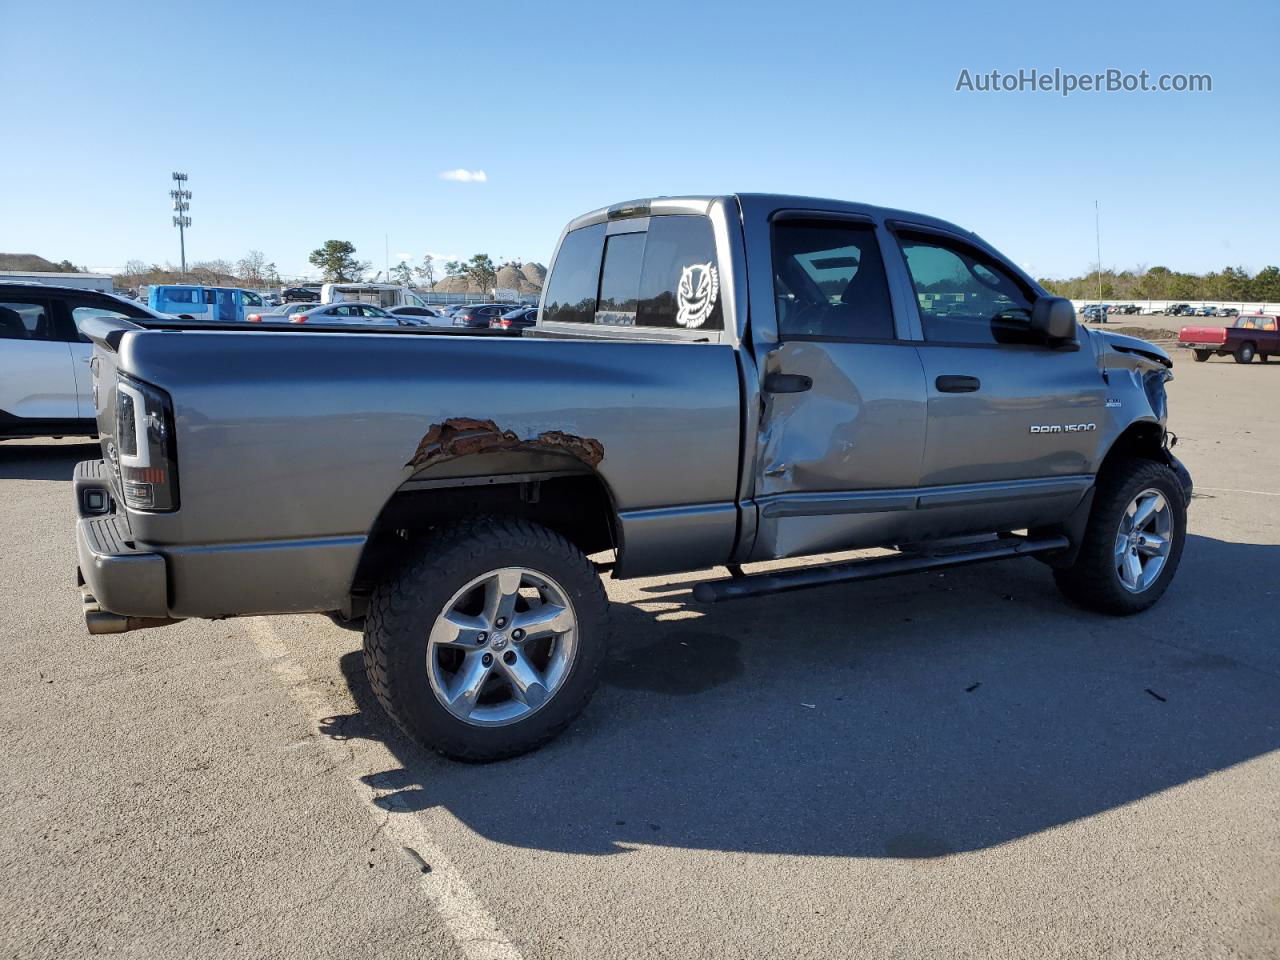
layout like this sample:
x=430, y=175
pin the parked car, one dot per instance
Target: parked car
x=479, y=314
x=1252, y=335
x=361, y=314
x=1205, y=311
x=521, y=318
x=1179, y=310
x=454, y=491
x=1095, y=312
x=299, y=295
x=1227, y=312
x=1128, y=309
x=45, y=388
x=278, y=314
x=196, y=302
x=424, y=314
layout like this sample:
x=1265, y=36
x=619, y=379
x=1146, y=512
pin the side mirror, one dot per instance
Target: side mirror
x=1054, y=318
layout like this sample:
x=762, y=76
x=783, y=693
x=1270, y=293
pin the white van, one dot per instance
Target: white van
x=384, y=295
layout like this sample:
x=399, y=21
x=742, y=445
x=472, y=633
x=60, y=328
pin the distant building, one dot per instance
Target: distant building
x=85, y=281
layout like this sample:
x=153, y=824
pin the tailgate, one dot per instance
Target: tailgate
x=1213, y=335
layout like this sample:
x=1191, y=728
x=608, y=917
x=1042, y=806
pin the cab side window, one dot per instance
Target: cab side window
x=829, y=281
x=965, y=296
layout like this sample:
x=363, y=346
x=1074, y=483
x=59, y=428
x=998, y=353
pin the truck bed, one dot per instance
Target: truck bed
x=290, y=442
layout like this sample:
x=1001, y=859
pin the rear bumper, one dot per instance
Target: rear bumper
x=129, y=585
x=117, y=577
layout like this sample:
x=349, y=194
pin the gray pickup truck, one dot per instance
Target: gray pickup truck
x=712, y=381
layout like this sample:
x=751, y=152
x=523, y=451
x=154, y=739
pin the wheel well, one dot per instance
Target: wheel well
x=1140, y=440
x=578, y=507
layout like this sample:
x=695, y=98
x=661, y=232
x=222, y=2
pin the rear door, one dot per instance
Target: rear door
x=843, y=426
x=1013, y=427
x=37, y=381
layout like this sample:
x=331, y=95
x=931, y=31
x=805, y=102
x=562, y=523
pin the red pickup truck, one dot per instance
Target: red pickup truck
x=1252, y=335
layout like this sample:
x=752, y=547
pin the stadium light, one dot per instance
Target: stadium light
x=181, y=204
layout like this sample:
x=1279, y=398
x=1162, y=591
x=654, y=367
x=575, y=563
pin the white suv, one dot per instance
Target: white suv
x=44, y=359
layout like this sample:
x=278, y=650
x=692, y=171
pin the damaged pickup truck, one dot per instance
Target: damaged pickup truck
x=711, y=381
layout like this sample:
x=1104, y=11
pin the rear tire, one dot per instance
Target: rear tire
x=419, y=661
x=1245, y=352
x=1202, y=356
x=1095, y=580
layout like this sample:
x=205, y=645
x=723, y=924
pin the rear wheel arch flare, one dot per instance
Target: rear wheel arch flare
x=575, y=501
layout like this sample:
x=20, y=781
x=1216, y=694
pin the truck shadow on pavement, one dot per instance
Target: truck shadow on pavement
x=21, y=460
x=911, y=718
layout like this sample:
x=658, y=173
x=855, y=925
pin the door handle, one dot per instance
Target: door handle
x=952, y=383
x=787, y=383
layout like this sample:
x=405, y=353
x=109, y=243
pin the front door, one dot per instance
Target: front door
x=1014, y=421
x=843, y=427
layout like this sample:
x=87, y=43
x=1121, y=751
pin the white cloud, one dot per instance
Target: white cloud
x=464, y=176
x=404, y=256
x=105, y=269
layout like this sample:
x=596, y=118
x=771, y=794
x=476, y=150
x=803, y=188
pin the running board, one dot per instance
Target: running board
x=874, y=568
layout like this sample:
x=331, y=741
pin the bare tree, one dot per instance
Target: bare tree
x=252, y=269
x=427, y=272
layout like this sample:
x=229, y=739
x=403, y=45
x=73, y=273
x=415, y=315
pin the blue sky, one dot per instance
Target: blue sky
x=300, y=123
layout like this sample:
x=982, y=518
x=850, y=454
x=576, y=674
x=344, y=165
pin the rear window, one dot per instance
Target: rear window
x=666, y=276
x=575, y=278
x=620, y=281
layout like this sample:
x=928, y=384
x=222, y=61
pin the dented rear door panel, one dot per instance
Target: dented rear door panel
x=823, y=452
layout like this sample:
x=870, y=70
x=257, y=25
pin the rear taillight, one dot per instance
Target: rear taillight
x=254, y=318
x=144, y=440
x=501, y=322
x=297, y=318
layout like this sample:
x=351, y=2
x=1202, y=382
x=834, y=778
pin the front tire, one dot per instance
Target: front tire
x=489, y=642
x=1133, y=541
x=1202, y=356
x=1245, y=352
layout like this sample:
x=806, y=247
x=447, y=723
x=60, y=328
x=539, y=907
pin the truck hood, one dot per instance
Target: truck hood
x=1118, y=341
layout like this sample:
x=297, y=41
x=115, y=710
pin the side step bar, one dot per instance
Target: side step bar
x=875, y=568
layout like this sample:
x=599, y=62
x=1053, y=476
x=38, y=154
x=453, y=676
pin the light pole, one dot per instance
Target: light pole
x=181, y=197
x=1097, y=233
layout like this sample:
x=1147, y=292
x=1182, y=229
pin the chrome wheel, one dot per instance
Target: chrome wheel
x=502, y=647
x=1143, y=540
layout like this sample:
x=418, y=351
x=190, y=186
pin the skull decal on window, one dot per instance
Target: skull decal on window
x=696, y=294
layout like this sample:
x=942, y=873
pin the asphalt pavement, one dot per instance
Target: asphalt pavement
x=943, y=765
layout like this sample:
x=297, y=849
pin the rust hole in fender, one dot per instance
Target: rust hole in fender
x=462, y=436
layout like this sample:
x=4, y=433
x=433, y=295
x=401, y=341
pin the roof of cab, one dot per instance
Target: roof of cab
x=699, y=204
